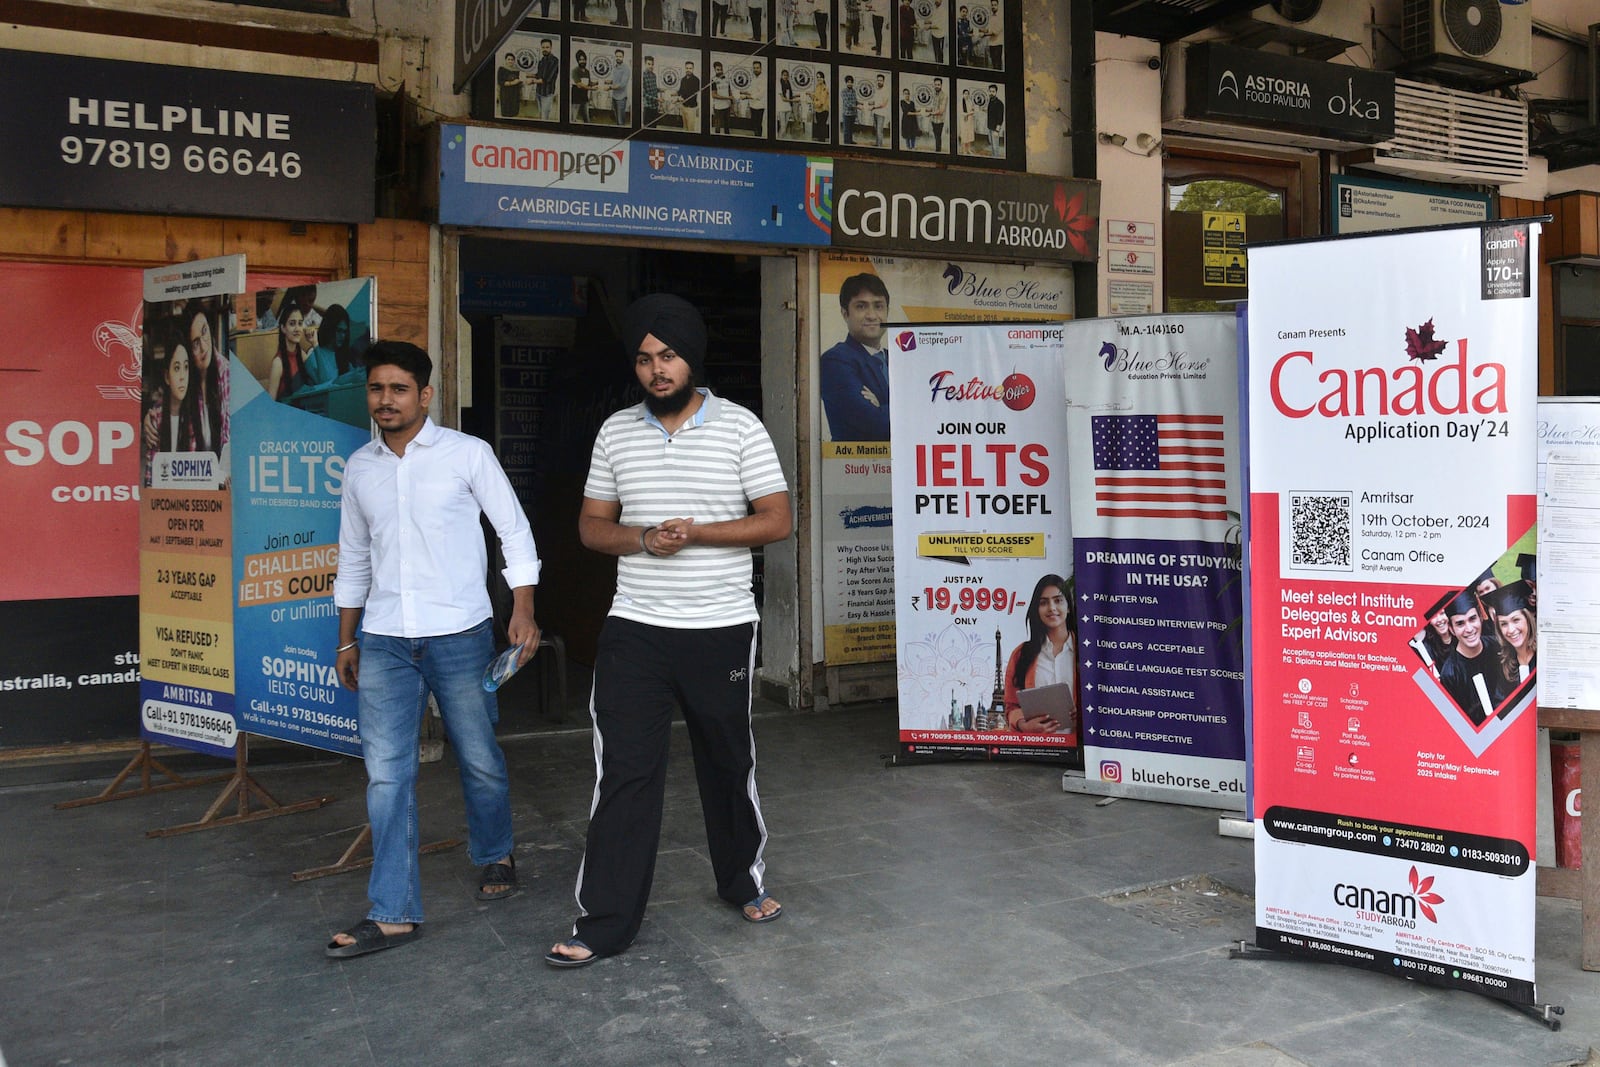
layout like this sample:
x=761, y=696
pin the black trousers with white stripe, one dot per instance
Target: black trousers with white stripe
x=641, y=672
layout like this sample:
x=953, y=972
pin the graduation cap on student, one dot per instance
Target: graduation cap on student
x=1508, y=598
x=1486, y=576
x=1526, y=563
x=1461, y=603
x=1439, y=605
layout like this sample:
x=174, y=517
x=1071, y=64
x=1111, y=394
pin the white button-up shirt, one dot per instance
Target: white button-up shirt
x=411, y=550
x=1052, y=666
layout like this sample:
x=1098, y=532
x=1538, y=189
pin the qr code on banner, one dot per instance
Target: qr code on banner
x=1319, y=526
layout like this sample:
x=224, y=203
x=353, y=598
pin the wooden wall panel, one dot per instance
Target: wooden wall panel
x=323, y=248
x=1576, y=229
x=1547, y=333
x=395, y=252
x=147, y=240
x=1588, y=224
x=46, y=235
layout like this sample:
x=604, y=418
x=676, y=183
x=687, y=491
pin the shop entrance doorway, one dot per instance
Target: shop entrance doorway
x=548, y=367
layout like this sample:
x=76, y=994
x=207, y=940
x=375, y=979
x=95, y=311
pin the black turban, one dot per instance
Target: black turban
x=674, y=321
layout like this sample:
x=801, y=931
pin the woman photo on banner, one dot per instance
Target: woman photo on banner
x=168, y=426
x=289, y=363
x=1518, y=623
x=1048, y=657
x=331, y=356
x=208, y=375
x=1435, y=641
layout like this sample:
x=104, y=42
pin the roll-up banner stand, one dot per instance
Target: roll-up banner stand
x=186, y=635
x=982, y=543
x=1153, y=432
x=250, y=405
x=298, y=414
x=1392, y=385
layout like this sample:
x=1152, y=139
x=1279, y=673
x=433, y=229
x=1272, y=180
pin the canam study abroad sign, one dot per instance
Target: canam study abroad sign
x=882, y=208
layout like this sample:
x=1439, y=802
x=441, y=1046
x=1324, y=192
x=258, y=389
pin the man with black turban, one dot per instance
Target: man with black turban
x=680, y=487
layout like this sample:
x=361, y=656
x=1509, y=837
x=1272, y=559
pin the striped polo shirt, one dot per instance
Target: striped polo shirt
x=709, y=470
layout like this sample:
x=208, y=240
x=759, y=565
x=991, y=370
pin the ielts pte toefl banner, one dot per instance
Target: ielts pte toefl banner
x=982, y=541
x=1153, y=428
x=1392, y=384
x=857, y=532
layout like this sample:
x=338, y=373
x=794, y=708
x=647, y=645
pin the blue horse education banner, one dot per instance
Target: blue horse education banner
x=1153, y=431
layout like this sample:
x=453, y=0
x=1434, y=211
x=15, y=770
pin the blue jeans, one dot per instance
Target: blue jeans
x=396, y=675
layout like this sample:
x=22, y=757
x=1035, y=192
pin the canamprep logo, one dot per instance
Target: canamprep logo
x=1416, y=387
x=512, y=157
x=1391, y=908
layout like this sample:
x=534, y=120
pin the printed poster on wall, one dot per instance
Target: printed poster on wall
x=300, y=408
x=853, y=388
x=69, y=668
x=983, y=589
x=1569, y=501
x=1392, y=451
x=1153, y=428
x=185, y=523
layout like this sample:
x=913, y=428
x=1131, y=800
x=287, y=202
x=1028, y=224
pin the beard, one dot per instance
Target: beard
x=671, y=403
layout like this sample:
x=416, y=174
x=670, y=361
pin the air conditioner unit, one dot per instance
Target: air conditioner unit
x=1477, y=43
x=1448, y=135
x=1318, y=29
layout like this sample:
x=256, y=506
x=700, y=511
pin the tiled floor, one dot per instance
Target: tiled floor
x=941, y=914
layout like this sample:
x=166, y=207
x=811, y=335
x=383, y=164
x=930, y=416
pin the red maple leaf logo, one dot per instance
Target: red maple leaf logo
x=1077, y=224
x=1420, y=344
x=1420, y=888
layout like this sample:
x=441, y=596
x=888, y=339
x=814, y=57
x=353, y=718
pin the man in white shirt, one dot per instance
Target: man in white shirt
x=412, y=563
x=680, y=487
x=755, y=97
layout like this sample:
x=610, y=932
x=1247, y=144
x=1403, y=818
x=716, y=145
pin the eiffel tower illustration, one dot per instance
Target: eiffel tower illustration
x=995, y=717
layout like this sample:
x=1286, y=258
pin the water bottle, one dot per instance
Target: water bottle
x=500, y=668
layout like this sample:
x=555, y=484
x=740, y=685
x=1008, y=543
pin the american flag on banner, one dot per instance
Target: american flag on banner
x=1159, y=467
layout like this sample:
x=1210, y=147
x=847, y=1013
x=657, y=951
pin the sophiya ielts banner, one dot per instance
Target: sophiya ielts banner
x=984, y=620
x=1392, y=384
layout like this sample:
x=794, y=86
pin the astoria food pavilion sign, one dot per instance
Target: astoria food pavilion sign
x=1245, y=86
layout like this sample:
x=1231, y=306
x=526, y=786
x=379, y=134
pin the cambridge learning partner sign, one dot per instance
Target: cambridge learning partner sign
x=1392, y=447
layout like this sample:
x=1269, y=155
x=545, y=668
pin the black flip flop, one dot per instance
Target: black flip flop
x=556, y=959
x=369, y=937
x=756, y=904
x=497, y=874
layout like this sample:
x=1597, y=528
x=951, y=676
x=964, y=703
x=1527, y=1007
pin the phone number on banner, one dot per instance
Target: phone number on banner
x=196, y=159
